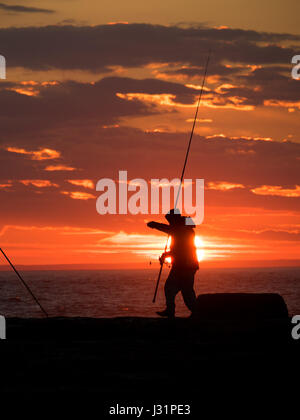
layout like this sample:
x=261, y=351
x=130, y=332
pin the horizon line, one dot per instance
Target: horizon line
x=142, y=266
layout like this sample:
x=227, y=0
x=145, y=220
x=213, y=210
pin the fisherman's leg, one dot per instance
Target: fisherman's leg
x=187, y=289
x=171, y=290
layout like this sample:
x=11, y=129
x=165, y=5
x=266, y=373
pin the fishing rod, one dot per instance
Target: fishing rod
x=24, y=284
x=184, y=166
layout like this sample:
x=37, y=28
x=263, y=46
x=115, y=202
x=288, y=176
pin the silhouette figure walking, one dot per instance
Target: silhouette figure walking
x=184, y=261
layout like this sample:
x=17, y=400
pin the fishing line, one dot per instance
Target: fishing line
x=184, y=165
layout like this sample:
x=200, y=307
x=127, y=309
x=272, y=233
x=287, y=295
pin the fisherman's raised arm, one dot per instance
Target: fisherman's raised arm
x=160, y=226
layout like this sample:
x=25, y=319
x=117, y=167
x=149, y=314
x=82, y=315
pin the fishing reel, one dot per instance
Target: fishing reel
x=163, y=259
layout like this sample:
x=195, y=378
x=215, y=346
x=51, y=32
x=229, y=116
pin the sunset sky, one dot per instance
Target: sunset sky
x=94, y=87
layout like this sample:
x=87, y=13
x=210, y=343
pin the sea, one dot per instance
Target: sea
x=119, y=293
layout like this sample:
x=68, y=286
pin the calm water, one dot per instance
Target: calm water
x=110, y=293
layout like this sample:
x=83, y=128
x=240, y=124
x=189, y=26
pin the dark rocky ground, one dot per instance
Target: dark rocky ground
x=149, y=359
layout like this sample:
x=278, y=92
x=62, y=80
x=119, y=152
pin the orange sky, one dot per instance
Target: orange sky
x=84, y=99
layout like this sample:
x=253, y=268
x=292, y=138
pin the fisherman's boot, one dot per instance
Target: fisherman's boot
x=166, y=313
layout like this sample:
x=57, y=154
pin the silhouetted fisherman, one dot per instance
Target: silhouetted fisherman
x=184, y=261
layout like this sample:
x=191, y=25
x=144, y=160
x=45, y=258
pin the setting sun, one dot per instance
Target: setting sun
x=200, y=248
x=199, y=245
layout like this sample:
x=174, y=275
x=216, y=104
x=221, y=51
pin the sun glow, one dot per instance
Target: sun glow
x=168, y=259
x=198, y=243
x=200, y=248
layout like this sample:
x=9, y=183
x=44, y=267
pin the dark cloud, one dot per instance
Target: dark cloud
x=99, y=48
x=76, y=103
x=252, y=86
x=214, y=69
x=134, y=45
x=262, y=84
x=68, y=116
x=148, y=86
x=23, y=9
